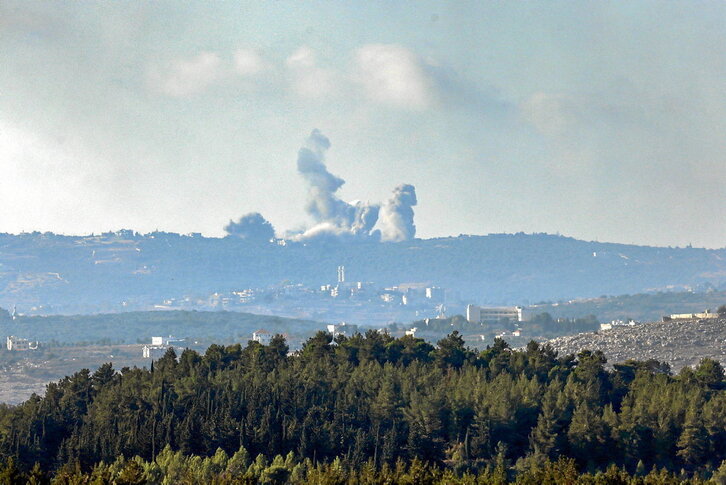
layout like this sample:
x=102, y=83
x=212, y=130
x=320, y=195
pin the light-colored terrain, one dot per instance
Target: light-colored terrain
x=25, y=373
x=679, y=343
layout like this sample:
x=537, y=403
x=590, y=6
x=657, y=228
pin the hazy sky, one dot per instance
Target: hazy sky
x=599, y=120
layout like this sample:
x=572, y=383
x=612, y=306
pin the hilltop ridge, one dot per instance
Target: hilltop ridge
x=680, y=343
x=100, y=272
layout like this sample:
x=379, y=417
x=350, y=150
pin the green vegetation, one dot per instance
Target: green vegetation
x=642, y=306
x=73, y=274
x=138, y=327
x=538, y=326
x=373, y=409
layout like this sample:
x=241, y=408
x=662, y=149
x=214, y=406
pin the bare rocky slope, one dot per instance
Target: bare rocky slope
x=680, y=343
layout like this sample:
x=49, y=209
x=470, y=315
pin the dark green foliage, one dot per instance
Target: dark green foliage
x=370, y=407
x=132, y=327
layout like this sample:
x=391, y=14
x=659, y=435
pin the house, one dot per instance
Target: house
x=342, y=328
x=478, y=314
x=691, y=316
x=155, y=352
x=18, y=344
x=262, y=336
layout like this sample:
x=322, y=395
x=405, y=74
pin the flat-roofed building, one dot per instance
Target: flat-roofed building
x=262, y=336
x=691, y=316
x=18, y=344
x=342, y=328
x=478, y=314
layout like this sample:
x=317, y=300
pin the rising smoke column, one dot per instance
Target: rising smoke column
x=251, y=227
x=396, y=216
x=333, y=216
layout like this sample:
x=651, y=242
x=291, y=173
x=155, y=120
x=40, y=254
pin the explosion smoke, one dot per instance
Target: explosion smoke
x=396, y=215
x=334, y=218
x=251, y=227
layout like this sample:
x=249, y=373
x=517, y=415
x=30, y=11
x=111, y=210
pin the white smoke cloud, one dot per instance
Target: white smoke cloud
x=332, y=215
x=337, y=219
x=396, y=215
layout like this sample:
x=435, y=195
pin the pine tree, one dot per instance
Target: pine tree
x=692, y=444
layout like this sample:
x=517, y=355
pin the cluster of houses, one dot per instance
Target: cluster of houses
x=706, y=314
x=618, y=323
x=159, y=346
x=19, y=344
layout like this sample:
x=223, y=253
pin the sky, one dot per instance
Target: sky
x=598, y=120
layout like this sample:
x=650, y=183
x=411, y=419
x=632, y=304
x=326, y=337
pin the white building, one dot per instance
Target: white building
x=435, y=293
x=155, y=352
x=159, y=346
x=20, y=344
x=477, y=314
x=342, y=328
x=262, y=336
x=691, y=316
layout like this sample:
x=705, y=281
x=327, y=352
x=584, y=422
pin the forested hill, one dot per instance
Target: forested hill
x=369, y=404
x=62, y=271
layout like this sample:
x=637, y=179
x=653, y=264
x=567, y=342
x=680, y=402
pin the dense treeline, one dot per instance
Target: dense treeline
x=173, y=468
x=372, y=400
x=541, y=325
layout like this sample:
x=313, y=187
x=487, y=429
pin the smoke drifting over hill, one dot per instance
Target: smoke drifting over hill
x=334, y=218
x=396, y=216
x=252, y=227
x=337, y=219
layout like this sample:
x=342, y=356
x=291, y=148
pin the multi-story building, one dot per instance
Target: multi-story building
x=477, y=314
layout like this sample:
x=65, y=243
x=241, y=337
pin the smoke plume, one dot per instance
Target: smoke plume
x=251, y=227
x=396, y=215
x=333, y=217
x=337, y=219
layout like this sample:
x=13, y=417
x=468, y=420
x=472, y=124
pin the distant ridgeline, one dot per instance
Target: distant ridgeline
x=69, y=273
x=136, y=327
x=373, y=409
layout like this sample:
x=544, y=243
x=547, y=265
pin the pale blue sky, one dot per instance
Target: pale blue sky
x=599, y=120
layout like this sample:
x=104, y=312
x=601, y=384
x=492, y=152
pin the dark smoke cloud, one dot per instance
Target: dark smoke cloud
x=396, y=215
x=251, y=227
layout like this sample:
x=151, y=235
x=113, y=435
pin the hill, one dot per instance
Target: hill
x=644, y=307
x=78, y=274
x=367, y=407
x=136, y=327
x=679, y=343
x=70, y=342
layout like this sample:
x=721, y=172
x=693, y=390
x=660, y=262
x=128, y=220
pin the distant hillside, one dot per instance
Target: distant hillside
x=133, y=327
x=72, y=274
x=643, y=307
x=679, y=343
